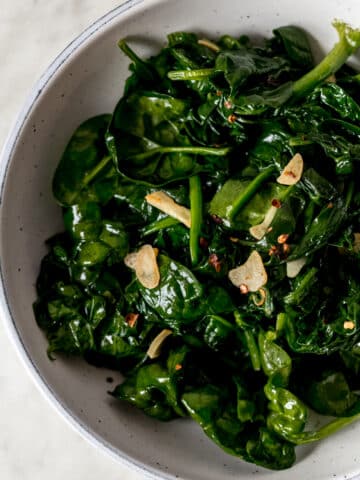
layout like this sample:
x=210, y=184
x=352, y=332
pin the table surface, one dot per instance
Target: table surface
x=32, y=435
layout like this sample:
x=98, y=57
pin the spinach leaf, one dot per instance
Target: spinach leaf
x=179, y=295
x=147, y=141
x=84, y=159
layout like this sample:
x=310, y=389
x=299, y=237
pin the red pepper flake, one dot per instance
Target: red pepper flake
x=178, y=366
x=276, y=203
x=131, y=319
x=228, y=104
x=273, y=250
x=217, y=219
x=289, y=173
x=286, y=248
x=215, y=262
x=203, y=242
x=243, y=289
x=232, y=118
x=330, y=205
x=282, y=238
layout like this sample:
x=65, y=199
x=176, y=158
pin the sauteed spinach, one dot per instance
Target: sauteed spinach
x=211, y=250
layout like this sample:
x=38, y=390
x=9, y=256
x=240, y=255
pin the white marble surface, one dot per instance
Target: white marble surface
x=35, y=442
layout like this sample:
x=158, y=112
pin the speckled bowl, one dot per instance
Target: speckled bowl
x=87, y=79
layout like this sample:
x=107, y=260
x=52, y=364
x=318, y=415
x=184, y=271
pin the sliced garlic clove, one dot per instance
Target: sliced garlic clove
x=209, y=44
x=130, y=260
x=293, y=267
x=154, y=349
x=292, y=172
x=166, y=204
x=251, y=274
x=259, y=231
x=146, y=267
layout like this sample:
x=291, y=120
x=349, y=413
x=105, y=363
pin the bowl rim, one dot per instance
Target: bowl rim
x=13, y=333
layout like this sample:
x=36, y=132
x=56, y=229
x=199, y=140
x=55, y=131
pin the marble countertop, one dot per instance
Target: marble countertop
x=35, y=442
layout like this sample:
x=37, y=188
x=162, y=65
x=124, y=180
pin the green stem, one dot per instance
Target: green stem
x=280, y=322
x=198, y=74
x=92, y=174
x=159, y=225
x=246, y=195
x=218, y=152
x=130, y=53
x=250, y=342
x=299, y=142
x=309, y=214
x=303, y=287
x=349, y=42
x=196, y=208
x=349, y=194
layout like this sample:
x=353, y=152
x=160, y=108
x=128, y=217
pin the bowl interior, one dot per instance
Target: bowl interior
x=87, y=79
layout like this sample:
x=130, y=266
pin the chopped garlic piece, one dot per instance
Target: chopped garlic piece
x=146, y=267
x=292, y=172
x=251, y=274
x=209, y=44
x=154, y=349
x=259, y=302
x=166, y=204
x=293, y=267
x=349, y=325
x=258, y=231
x=130, y=260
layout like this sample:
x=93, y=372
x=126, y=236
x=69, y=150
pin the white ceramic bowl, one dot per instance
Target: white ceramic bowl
x=87, y=79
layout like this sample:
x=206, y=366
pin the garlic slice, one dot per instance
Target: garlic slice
x=146, y=267
x=130, y=260
x=154, y=349
x=166, y=204
x=292, y=172
x=251, y=274
x=293, y=267
x=258, y=231
x=209, y=44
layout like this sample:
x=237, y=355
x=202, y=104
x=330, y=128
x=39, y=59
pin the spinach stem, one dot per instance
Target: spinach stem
x=349, y=42
x=159, y=225
x=246, y=195
x=196, y=208
x=349, y=194
x=197, y=74
x=130, y=53
x=218, y=152
x=92, y=174
x=309, y=214
x=250, y=342
x=303, y=287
